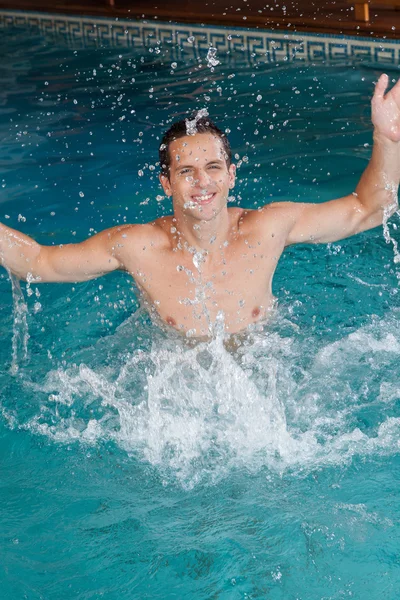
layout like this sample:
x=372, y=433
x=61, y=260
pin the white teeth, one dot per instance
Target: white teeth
x=200, y=198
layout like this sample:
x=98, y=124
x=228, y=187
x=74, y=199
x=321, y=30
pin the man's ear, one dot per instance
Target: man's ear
x=232, y=176
x=166, y=185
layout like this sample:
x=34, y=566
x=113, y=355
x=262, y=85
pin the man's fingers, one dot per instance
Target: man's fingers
x=381, y=86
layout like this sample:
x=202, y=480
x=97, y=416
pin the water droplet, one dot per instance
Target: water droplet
x=211, y=58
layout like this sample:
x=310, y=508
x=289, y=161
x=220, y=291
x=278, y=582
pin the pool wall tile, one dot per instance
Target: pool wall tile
x=78, y=31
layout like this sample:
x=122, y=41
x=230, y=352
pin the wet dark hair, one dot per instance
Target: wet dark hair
x=179, y=130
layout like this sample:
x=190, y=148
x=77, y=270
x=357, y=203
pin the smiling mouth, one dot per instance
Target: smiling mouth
x=204, y=199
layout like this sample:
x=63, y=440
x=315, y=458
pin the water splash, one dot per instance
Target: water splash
x=211, y=58
x=191, y=124
x=20, y=326
x=194, y=414
x=387, y=213
x=197, y=413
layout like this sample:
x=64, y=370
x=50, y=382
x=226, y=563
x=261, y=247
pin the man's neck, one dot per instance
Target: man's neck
x=203, y=236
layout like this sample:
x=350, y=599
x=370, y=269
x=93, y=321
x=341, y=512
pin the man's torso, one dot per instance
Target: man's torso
x=188, y=289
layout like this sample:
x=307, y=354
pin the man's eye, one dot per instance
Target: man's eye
x=215, y=167
x=184, y=171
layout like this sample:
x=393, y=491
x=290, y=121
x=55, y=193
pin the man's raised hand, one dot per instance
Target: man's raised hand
x=386, y=109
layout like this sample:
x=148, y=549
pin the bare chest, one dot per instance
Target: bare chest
x=188, y=291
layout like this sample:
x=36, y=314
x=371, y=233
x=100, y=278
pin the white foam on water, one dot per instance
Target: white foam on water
x=197, y=413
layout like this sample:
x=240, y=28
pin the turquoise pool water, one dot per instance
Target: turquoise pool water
x=134, y=467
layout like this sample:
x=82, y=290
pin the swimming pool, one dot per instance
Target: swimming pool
x=134, y=467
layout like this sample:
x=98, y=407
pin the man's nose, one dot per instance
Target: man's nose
x=202, y=178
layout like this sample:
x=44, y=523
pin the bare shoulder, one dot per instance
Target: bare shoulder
x=138, y=233
x=135, y=241
x=277, y=217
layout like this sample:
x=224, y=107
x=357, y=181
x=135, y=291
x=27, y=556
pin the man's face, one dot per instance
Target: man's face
x=199, y=179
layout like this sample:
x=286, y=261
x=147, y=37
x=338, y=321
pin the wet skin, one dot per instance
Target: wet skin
x=234, y=279
x=204, y=259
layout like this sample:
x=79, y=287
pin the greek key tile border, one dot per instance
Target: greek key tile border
x=195, y=40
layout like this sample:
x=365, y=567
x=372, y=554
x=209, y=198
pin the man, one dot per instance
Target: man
x=207, y=262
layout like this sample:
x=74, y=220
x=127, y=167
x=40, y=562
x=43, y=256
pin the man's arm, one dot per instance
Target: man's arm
x=92, y=258
x=376, y=194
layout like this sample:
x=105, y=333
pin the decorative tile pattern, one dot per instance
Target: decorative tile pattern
x=237, y=43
